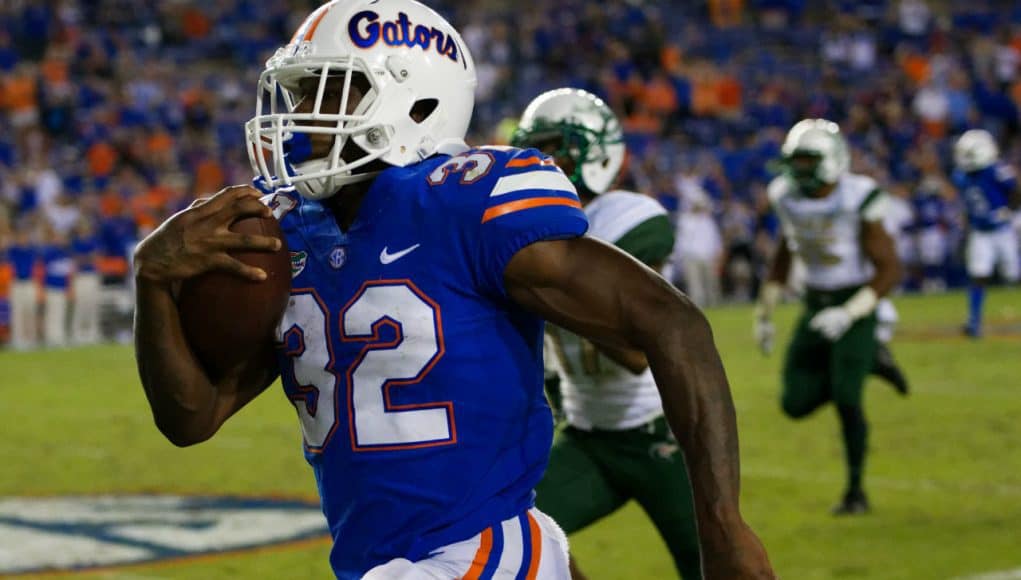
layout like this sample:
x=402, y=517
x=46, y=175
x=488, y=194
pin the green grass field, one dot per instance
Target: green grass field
x=944, y=473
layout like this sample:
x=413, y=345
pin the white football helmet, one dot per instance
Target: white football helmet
x=590, y=132
x=818, y=138
x=974, y=150
x=410, y=56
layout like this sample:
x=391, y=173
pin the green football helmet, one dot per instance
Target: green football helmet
x=583, y=128
x=815, y=154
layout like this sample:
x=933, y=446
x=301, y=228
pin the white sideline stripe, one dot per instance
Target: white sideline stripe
x=550, y=180
x=1014, y=574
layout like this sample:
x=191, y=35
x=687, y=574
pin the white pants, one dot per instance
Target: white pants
x=24, y=316
x=701, y=280
x=932, y=246
x=85, y=316
x=531, y=544
x=986, y=250
x=55, y=317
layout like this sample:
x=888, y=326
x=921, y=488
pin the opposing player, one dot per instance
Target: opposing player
x=616, y=445
x=990, y=191
x=833, y=221
x=412, y=344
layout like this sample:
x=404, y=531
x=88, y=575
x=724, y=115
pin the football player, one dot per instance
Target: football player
x=990, y=191
x=833, y=221
x=411, y=347
x=616, y=444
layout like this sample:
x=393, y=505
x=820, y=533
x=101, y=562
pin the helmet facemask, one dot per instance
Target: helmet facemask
x=287, y=138
x=803, y=167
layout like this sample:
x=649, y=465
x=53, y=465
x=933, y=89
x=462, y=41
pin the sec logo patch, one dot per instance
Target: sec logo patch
x=338, y=257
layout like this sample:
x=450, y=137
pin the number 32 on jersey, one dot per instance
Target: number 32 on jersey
x=402, y=332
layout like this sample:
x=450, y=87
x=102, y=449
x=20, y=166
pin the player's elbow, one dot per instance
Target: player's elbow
x=181, y=433
x=673, y=319
x=181, y=437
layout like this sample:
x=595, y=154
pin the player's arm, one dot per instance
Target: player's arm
x=651, y=243
x=633, y=360
x=770, y=294
x=188, y=407
x=600, y=293
x=879, y=247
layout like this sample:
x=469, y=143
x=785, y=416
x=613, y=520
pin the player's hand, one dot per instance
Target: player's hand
x=197, y=239
x=764, y=333
x=832, y=322
x=741, y=557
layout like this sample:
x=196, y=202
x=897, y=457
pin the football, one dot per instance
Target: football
x=225, y=317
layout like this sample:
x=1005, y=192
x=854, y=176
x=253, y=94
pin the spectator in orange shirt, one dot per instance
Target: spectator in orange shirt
x=18, y=94
x=729, y=94
x=726, y=13
x=102, y=159
x=659, y=96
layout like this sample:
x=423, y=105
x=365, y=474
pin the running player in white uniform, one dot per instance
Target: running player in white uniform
x=616, y=444
x=833, y=221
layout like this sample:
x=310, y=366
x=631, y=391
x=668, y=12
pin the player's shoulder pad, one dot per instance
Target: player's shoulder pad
x=869, y=199
x=632, y=200
x=500, y=180
x=780, y=187
x=860, y=185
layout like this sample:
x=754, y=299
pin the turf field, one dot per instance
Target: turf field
x=944, y=475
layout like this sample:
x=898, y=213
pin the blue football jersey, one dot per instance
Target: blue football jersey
x=985, y=194
x=418, y=383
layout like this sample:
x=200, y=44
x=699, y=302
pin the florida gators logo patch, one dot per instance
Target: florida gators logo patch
x=80, y=533
x=298, y=261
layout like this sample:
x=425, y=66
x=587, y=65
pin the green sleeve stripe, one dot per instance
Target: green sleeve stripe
x=871, y=197
x=650, y=241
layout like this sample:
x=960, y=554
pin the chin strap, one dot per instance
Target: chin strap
x=297, y=149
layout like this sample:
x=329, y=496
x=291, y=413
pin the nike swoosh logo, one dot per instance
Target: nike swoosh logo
x=387, y=258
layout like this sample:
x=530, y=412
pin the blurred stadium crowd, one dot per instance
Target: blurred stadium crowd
x=117, y=113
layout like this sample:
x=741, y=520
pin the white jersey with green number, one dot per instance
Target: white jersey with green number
x=598, y=393
x=826, y=232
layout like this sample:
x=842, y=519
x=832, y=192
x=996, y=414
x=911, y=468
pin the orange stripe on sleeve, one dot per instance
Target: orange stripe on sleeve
x=481, y=555
x=529, y=203
x=528, y=161
x=536, y=533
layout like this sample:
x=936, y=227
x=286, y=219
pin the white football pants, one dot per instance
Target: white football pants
x=532, y=545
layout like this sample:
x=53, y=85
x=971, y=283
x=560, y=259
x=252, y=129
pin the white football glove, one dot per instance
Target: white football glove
x=832, y=322
x=764, y=333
